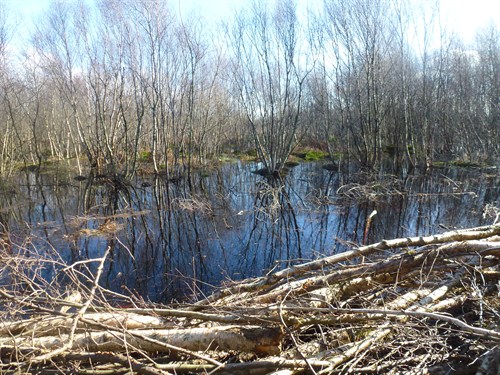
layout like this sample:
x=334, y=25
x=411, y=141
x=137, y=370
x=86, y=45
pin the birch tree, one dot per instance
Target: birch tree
x=269, y=78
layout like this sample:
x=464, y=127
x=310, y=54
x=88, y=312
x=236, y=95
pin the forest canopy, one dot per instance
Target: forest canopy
x=118, y=82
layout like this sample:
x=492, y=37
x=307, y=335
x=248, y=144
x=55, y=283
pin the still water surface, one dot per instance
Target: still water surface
x=175, y=240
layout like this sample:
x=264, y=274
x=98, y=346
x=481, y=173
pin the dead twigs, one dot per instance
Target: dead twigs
x=414, y=304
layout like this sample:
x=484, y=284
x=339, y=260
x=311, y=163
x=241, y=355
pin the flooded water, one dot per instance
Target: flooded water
x=175, y=240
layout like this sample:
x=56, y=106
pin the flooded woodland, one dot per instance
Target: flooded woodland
x=292, y=187
x=178, y=239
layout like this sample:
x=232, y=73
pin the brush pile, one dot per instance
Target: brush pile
x=411, y=305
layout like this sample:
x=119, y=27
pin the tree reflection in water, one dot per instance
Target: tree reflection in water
x=178, y=239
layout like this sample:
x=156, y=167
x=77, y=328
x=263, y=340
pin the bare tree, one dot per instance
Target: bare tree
x=358, y=30
x=488, y=89
x=269, y=78
x=130, y=80
x=8, y=132
x=56, y=41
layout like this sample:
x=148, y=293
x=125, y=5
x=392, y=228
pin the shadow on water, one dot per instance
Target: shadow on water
x=176, y=240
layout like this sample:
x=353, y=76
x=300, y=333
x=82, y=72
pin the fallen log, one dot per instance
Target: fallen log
x=392, y=270
x=452, y=236
x=48, y=326
x=352, y=312
x=253, y=339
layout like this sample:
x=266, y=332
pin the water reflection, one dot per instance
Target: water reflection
x=174, y=240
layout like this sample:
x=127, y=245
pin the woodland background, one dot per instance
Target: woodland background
x=121, y=81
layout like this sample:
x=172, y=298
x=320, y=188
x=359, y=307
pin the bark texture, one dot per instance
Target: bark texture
x=423, y=303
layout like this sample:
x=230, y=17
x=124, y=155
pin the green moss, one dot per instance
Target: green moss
x=145, y=156
x=315, y=155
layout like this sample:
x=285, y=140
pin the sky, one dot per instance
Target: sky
x=467, y=16
x=462, y=16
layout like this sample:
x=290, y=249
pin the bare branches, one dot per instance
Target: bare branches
x=460, y=235
x=424, y=297
x=268, y=78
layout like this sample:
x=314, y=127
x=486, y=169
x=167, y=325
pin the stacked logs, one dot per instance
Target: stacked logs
x=410, y=305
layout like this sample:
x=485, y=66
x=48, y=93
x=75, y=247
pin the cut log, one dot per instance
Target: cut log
x=50, y=326
x=410, y=296
x=253, y=339
x=452, y=236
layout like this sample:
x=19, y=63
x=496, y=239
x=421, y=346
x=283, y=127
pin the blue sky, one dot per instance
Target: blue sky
x=464, y=16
